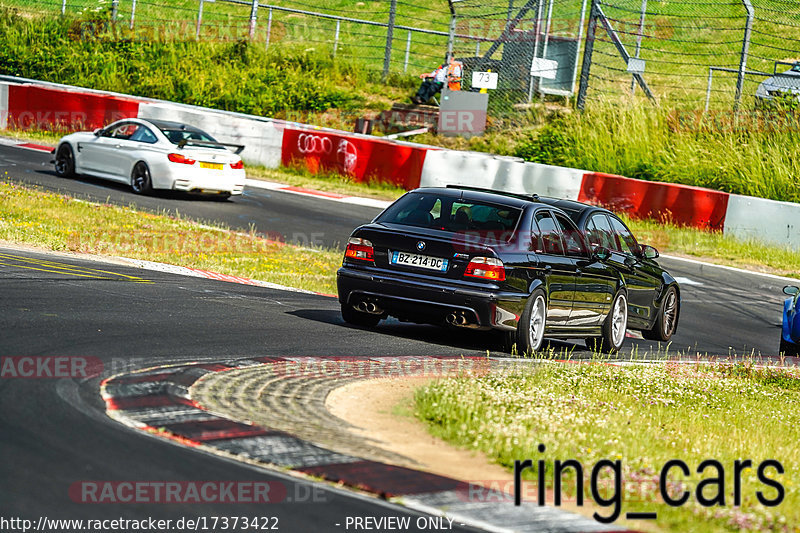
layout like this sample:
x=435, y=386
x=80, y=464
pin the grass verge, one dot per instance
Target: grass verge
x=642, y=416
x=58, y=222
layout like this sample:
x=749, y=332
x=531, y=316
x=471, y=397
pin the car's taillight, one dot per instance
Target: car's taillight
x=178, y=158
x=486, y=268
x=358, y=248
x=239, y=165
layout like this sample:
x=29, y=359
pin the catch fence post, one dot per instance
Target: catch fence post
x=387, y=53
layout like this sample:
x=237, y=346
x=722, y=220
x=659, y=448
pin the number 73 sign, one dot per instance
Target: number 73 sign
x=484, y=80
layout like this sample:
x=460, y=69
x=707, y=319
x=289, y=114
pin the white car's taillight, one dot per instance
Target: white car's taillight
x=486, y=268
x=178, y=158
x=358, y=248
x=238, y=165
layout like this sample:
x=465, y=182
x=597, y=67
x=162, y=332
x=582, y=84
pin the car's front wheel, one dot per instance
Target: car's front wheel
x=357, y=318
x=530, y=329
x=667, y=318
x=65, y=161
x=614, y=327
x=141, y=183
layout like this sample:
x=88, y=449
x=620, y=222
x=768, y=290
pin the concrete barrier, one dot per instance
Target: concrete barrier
x=3, y=105
x=763, y=220
x=31, y=106
x=262, y=138
x=510, y=174
x=361, y=157
x=681, y=204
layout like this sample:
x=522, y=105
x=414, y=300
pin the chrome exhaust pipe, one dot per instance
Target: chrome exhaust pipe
x=451, y=319
x=372, y=308
x=361, y=306
x=461, y=320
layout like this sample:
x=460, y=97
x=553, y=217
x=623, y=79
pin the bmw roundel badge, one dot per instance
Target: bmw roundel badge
x=420, y=245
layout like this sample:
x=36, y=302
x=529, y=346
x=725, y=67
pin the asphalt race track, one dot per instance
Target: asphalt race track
x=327, y=224
x=53, y=432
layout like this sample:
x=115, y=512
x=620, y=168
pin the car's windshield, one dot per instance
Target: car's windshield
x=176, y=135
x=448, y=213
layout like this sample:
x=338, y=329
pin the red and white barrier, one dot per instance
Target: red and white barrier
x=681, y=204
x=3, y=105
x=272, y=143
x=361, y=157
x=34, y=107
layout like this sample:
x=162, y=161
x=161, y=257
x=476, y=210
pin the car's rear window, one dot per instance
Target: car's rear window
x=447, y=213
x=176, y=135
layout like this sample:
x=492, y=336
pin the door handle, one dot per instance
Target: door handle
x=117, y=146
x=548, y=268
x=577, y=270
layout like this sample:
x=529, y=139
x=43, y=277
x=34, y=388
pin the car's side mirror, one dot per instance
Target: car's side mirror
x=648, y=252
x=600, y=253
x=97, y=132
x=791, y=290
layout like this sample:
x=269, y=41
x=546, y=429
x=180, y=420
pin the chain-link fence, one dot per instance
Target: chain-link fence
x=700, y=55
x=691, y=54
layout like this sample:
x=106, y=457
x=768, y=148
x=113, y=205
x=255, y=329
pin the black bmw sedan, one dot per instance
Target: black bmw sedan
x=482, y=259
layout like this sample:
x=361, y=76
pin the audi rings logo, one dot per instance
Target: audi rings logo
x=347, y=156
x=314, y=144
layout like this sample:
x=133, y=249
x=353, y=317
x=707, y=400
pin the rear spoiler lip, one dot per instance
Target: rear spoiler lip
x=189, y=142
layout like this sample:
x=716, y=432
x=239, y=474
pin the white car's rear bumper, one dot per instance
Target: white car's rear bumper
x=209, y=181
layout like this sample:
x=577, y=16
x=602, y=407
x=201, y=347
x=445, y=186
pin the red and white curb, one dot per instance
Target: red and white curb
x=158, y=401
x=27, y=145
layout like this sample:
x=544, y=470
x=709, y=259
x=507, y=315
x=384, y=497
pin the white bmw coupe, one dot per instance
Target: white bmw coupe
x=153, y=154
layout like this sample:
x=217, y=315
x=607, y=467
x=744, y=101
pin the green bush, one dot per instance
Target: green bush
x=233, y=76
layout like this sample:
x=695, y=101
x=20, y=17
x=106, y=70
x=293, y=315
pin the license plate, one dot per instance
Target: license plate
x=213, y=166
x=420, y=261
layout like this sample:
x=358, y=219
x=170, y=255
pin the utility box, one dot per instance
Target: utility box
x=462, y=113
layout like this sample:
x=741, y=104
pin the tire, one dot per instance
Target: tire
x=788, y=349
x=141, y=183
x=357, y=318
x=532, y=323
x=667, y=320
x=614, y=327
x=65, y=161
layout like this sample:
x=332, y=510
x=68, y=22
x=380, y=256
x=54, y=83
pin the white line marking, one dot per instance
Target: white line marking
x=687, y=281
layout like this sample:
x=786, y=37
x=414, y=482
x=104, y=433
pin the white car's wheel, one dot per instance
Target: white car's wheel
x=65, y=161
x=141, y=183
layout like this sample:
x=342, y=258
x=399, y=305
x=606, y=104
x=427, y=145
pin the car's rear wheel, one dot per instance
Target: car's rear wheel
x=614, y=327
x=788, y=349
x=530, y=329
x=141, y=183
x=357, y=318
x=65, y=161
x=667, y=318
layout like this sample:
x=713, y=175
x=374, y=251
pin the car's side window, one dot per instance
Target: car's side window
x=599, y=232
x=572, y=237
x=143, y=134
x=627, y=241
x=123, y=131
x=550, y=236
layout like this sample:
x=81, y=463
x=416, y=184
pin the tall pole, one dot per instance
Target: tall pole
x=133, y=13
x=588, y=48
x=387, y=53
x=639, y=41
x=269, y=27
x=199, y=20
x=745, y=48
x=253, y=18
